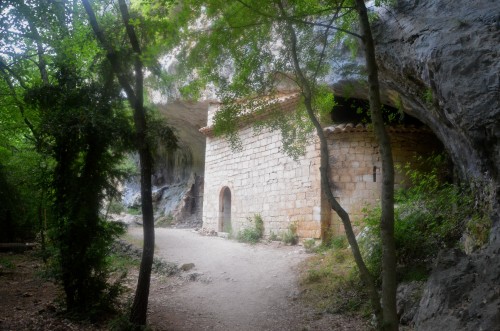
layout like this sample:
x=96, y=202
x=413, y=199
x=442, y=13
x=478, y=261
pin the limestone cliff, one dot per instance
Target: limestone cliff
x=440, y=60
x=177, y=175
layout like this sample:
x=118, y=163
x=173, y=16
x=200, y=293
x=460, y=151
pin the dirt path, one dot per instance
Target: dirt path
x=237, y=287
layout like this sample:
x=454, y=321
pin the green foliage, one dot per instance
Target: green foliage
x=134, y=211
x=88, y=292
x=242, y=51
x=478, y=231
x=428, y=96
x=121, y=263
x=7, y=263
x=116, y=207
x=64, y=130
x=309, y=245
x=160, y=134
x=290, y=236
x=430, y=215
x=337, y=242
x=273, y=236
x=85, y=130
x=330, y=283
x=128, y=167
x=252, y=234
x=24, y=178
x=165, y=221
x=390, y=3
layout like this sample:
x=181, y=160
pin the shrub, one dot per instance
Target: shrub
x=115, y=207
x=335, y=242
x=252, y=234
x=134, y=211
x=290, y=236
x=310, y=245
x=273, y=236
x=429, y=216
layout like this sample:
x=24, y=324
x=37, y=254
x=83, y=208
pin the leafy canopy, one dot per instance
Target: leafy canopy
x=241, y=50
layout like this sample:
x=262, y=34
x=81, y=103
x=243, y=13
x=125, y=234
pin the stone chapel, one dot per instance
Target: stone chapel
x=261, y=179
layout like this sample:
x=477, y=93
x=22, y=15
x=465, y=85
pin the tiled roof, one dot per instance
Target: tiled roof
x=289, y=102
x=350, y=127
x=285, y=103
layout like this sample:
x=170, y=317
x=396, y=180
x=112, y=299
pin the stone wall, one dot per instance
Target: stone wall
x=262, y=180
x=356, y=165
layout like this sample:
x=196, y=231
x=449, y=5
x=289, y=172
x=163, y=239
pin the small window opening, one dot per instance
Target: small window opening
x=374, y=174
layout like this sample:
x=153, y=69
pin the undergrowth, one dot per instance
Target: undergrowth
x=429, y=216
x=290, y=236
x=7, y=263
x=330, y=283
x=252, y=234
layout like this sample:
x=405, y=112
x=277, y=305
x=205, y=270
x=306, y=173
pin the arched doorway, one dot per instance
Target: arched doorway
x=225, y=210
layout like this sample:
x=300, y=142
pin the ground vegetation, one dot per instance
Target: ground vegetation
x=277, y=42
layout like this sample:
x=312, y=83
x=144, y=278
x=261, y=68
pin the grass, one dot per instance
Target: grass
x=137, y=242
x=310, y=245
x=134, y=211
x=330, y=283
x=165, y=221
x=122, y=262
x=290, y=236
x=116, y=207
x=273, y=237
x=253, y=234
x=7, y=263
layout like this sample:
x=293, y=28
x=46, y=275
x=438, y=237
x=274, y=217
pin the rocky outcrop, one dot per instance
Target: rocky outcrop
x=463, y=292
x=440, y=61
x=177, y=175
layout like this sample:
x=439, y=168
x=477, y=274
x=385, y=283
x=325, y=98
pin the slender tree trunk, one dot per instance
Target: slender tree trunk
x=365, y=274
x=41, y=224
x=389, y=281
x=140, y=305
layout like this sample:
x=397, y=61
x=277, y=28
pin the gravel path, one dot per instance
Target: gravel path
x=236, y=286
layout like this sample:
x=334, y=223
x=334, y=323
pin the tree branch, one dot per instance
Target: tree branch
x=110, y=54
x=42, y=65
x=4, y=69
x=296, y=19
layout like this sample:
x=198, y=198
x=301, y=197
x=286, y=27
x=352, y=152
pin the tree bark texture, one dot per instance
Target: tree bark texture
x=365, y=274
x=389, y=281
x=138, y=314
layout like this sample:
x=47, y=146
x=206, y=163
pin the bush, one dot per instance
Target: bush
x=290, y=236
x=252, y=234
x=429, y=216
x=273, y=236
x=134, y=211
x=310, y=245
x=115, y=207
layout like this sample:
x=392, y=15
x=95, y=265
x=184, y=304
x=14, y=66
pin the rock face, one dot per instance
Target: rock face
x=440, y=60
x=177, y=175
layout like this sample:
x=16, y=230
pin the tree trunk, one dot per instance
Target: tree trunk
x=140, y=305
x=389, y=281
x=139, y=310
x=365, y=274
